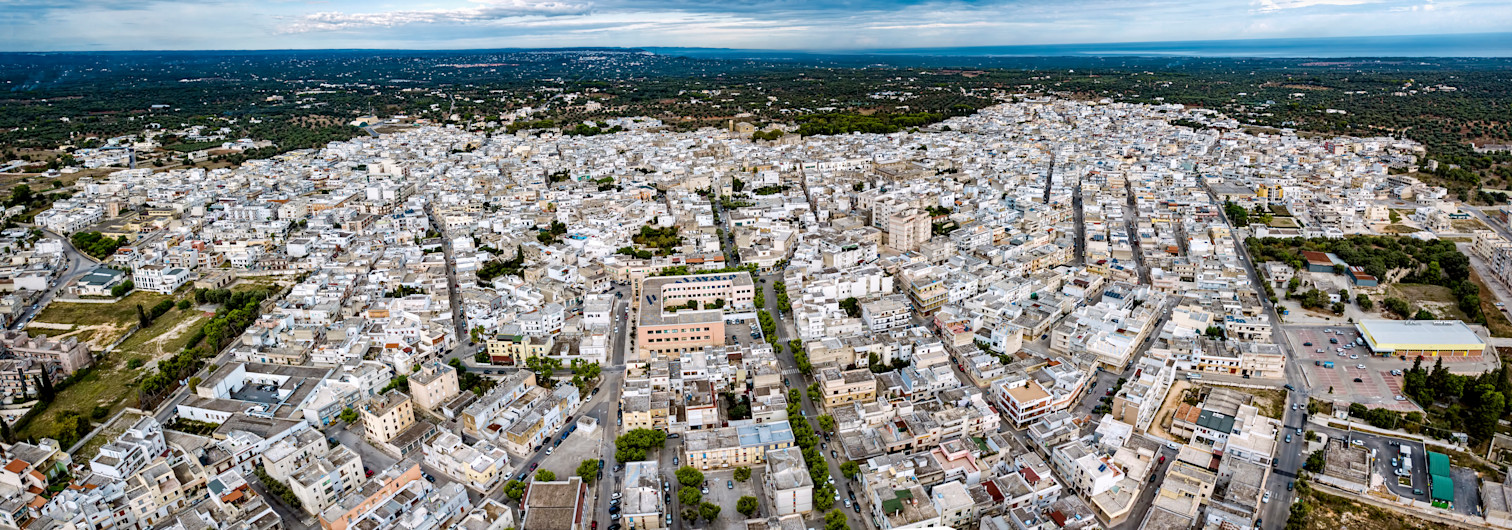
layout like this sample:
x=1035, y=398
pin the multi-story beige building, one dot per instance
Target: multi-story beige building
x=643, y=505
x=481, y=466
x=646, y=411
x=849, y=386
x=680, y=314
x=731, y=447
x=433, y=385
x=385, y=416
x=908, y=229
x=324, y=480
x=788, y=487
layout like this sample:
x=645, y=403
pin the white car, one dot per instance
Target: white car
x=1266, y=498
x=1360, y=366
x=1401, y=398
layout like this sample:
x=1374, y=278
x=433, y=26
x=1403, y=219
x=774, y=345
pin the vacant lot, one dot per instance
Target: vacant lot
x=1399, y=229
x=1496, y=320
x=1435, y=298
x=1332, y=512
x=106, y=435
x=109, y=384
x=1270, y=401
x=166, y=336
x=109, y=321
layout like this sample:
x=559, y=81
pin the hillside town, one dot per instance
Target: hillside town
x=1050, y=314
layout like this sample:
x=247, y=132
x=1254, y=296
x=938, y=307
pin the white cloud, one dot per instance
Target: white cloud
x=487, y=11
x=1269, y=6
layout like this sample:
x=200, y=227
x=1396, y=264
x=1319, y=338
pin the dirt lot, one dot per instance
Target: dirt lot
x=110, y=321
x=1163, y=416
x=1331, y=512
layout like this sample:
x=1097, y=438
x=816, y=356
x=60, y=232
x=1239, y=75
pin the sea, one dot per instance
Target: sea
x=1448, y=45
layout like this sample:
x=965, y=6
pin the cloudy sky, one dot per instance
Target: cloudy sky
x=41, y=25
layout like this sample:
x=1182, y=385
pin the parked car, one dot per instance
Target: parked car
x=1358, y=380
x=1265, y=498
x=1360, y=366
x=1307, y=344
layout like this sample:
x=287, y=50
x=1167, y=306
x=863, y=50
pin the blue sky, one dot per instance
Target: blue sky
x=41, y=25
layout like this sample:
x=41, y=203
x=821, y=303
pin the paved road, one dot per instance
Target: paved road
x=75, y=265
x=452, y=290
x=787, y=331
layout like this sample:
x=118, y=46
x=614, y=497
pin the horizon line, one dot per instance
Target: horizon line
x=836, y=51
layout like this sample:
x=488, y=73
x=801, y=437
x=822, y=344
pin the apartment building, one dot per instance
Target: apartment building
x=886, y=314
x=324, y=479
x=160, y=279
x=907, y=230
x=787, y=485
x=847, y=386
x=68, y=354
x=641, y=502
x=130, y=452
x=731, y=447
x=480, y=466
x=433, y=385
x=385, y=416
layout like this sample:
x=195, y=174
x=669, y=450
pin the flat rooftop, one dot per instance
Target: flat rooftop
x=652, y=301
x=1392, y=335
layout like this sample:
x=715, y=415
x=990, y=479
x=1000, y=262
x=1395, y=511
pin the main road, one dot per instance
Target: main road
x=1288, y=458
x=74, y=266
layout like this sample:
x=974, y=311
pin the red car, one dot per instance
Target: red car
x=369, y=473
x=533, y=465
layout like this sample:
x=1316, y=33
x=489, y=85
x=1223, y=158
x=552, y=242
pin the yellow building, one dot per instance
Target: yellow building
x=1429, y=338
x=509, y=349
x=731, y=447
x=385, y=416
x=849, y=386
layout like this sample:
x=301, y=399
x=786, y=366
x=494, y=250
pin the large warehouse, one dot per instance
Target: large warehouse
x=1428, y=338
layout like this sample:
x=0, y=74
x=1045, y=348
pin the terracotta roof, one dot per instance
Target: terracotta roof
x=17, y=466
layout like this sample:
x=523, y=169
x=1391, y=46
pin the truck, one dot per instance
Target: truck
x=1325, y=364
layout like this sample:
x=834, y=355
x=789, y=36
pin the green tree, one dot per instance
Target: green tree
x=514, y=489
x=184, y=304
x=349, y=416
x=827, y=423
x=824, y=497
x=850, y=469
x=689, y=496
x=1314, y=462
x=709, y=511
x=588, y=469
x=835, y=520
x=742, y=474
x=747, y=505
x=632, y=446
x=545, y=475
x=689, y=476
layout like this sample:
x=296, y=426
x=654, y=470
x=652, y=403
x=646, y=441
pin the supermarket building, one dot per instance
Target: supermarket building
x=1428, y=338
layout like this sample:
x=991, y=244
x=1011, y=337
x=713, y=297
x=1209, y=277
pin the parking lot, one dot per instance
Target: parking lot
x=579, y=446
x=721, y=495
x=1357, y=376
